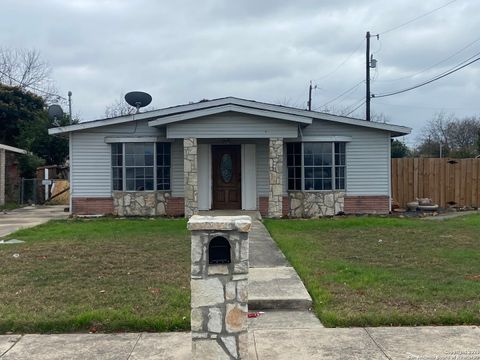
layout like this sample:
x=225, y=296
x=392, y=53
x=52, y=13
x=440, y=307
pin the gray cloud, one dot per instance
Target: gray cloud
x=264, y=50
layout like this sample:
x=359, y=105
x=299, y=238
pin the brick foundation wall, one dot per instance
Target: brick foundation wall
x=263, y=206
x=366, y=205
x=175, y=206
x=92, y=206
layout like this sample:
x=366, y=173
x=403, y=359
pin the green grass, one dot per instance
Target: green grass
x=10, y=206
x=372, y=271
x=97, y=275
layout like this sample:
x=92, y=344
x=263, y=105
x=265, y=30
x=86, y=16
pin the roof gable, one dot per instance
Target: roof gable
x=203, y=108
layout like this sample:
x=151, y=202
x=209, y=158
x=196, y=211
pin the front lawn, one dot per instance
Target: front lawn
x=97, y=275
x=371, y=271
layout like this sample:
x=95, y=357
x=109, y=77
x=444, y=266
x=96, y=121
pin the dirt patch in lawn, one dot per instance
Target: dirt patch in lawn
x=97, y=275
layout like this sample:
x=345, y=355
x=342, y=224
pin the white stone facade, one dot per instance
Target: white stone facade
x=275, y=192
x=304, y=204
x=140, y=203
x=190, y=167
x=219, y=291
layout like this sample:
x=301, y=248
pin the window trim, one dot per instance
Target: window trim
x=333, y=166
x=124, y=169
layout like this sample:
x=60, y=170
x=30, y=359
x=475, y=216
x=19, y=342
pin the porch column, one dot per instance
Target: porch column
x=275, y=192
x=3, y=166
x=190, y=176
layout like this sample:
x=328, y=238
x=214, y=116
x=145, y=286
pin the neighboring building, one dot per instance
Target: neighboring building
x=230, y=153
x=9, y=174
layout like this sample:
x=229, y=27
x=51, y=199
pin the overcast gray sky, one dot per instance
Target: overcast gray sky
x=265, y=50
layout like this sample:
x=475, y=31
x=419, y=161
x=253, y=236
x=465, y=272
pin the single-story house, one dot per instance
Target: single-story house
x=230, y=153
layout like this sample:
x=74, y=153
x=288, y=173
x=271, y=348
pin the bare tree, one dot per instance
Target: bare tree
x=458, y=137
x=119, y=107
x=24, y=68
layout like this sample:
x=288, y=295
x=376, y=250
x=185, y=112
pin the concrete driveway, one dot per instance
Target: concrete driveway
x=11, y=221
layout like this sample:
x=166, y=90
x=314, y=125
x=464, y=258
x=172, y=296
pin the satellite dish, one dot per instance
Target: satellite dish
x=138, y=99
x=55, y=112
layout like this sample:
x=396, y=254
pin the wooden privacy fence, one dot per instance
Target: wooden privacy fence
x=445, y=181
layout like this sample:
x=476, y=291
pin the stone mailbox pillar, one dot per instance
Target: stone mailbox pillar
x=219, y=285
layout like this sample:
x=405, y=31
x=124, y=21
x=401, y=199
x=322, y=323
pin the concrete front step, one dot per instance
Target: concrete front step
x=285, y=319
x=278, y=288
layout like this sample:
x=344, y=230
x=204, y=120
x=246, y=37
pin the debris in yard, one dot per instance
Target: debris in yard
x=255, y=314
x=154, y=290
x=102, y=291
x=472, y=277
x=16, y=255
x=11, y=241
x=380, y=240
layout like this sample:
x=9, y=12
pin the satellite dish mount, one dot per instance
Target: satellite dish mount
x=138, y=99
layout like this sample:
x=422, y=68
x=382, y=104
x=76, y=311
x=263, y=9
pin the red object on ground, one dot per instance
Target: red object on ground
x=255, y=314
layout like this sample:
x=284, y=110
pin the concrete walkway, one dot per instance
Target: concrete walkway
x=272, y=282
x=407, y=343
x=30, y=216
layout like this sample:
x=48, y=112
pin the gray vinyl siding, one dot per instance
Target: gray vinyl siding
x=91, y=165
x=91, y=170
x=176, y=170
x=232, y=125
x=262, y=168
x=368, y=156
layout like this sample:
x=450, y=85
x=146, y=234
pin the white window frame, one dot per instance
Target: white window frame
x=333, y=167
x=124, y=169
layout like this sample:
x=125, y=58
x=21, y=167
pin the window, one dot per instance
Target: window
x=134, y=166
x=316, y=166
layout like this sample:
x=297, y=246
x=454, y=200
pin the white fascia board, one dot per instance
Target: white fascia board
x=134, y=117
x=401, y=130
x=320, y=139
x=226, y=108
x=135, y=139
x=396, y=130
x=13, y=149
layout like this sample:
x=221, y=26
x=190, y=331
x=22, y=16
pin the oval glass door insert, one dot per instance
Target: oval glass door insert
x=226, y=168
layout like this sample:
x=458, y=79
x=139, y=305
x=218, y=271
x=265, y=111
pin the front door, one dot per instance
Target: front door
x=226, y=177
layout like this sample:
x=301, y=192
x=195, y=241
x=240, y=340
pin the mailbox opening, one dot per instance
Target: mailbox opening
x=219, y=251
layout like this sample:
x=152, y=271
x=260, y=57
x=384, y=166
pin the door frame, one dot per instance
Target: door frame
x=248, y=176
x=238, y=148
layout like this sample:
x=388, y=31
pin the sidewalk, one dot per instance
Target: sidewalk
x=406, y=343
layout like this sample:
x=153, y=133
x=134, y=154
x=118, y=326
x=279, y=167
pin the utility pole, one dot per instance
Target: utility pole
x=367, y=79
x=309, y=103
x=70, y=105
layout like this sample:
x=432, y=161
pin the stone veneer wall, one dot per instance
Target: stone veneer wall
x=190, y=176
x=315, y=204
x=140, y=203
x=219, y=292
x=275, y=194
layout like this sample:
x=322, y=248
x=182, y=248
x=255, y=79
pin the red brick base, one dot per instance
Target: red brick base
x=175, y=206
x=366, y=205
x=92, y=206
x=263, y=206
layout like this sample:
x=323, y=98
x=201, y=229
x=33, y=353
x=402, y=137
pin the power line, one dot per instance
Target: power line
x=432, y=66
x=342, y=63
x=356, y=108
x=438, y=77
x=416, y=18
x=343, y=93
x=31, y=87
